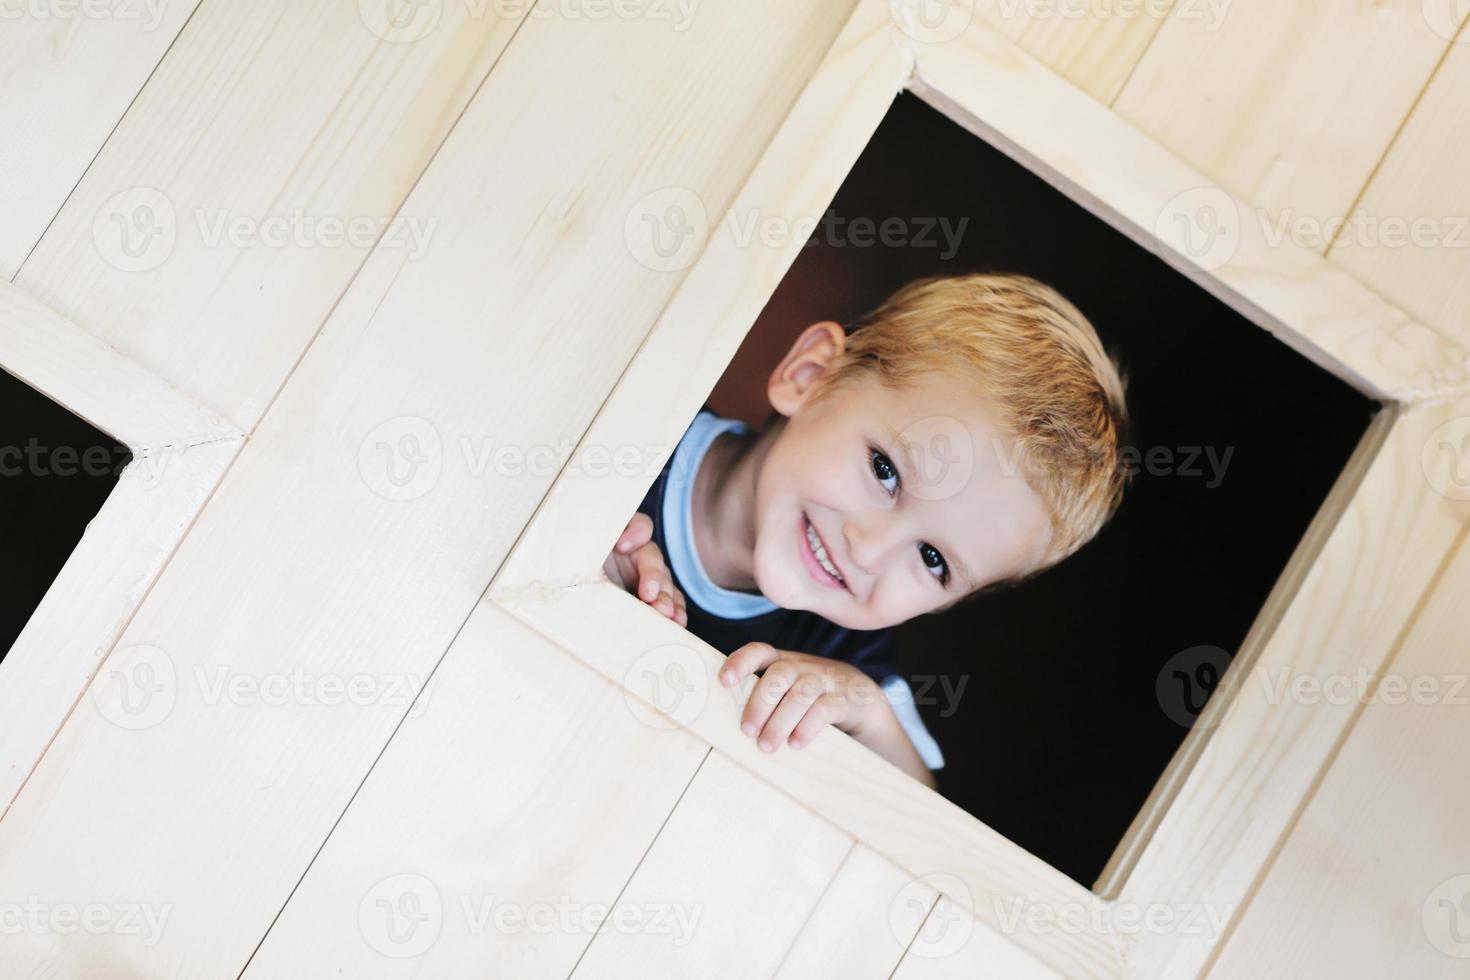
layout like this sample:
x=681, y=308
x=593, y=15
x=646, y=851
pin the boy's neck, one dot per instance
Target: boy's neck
x=722, y=509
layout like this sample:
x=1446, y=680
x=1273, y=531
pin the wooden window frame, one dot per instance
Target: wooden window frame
x=180, y=451
x=1217, y=814
x=1215, y=820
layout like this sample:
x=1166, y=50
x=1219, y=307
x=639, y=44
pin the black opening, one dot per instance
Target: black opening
x=55, y=472
x=1079, y=686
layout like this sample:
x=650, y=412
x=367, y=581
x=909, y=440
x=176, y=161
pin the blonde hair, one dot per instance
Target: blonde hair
x=1036, y=360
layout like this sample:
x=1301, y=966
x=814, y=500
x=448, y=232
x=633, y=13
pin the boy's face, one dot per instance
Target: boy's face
x=901, y=529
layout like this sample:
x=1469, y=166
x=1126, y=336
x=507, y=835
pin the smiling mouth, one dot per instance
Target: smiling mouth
x=817, y=557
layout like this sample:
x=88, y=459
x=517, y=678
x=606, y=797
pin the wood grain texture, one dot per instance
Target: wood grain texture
x=734, y=874
x=871, y=800
x=312, y=562
x=270, y=151
x=180, y=451
x=1146, y=192
x=1374, y=879
x=1288, y=105
x=953, y=946
x=69, y=73
x=868, y=915
x=1096, y=44
x=1409, y=237
x=1267, y=749
x=512, y=806
x=726, y=288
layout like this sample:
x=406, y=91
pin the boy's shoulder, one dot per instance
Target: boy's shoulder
x=872, y=651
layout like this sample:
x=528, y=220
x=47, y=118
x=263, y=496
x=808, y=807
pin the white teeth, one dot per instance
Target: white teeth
x=820, y=552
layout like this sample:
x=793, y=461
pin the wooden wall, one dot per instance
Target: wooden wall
x=292, y=839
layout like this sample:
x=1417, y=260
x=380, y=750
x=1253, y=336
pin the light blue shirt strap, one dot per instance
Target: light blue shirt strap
x=678, y=525
x=896, y=689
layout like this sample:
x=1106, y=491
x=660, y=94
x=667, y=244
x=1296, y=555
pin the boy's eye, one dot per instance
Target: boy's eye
x=933, y=559
x=884, y=469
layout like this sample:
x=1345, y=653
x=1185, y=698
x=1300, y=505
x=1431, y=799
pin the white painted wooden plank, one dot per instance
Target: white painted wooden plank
x=836, y=777
x=730, y=880
x=1374, y=880
x=67, y=74
x=867, y=917
x=239, y=195
x=1096, y=44
x=94, y=381
x=180, y=451
x=1288, y=105
x=107, y=575
x=1409, y=237
x=951, y=945
x=510, y=808
x=727, y=287
x=311, y=562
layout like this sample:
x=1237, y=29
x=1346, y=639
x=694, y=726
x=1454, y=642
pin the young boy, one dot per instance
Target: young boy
x=963, y=436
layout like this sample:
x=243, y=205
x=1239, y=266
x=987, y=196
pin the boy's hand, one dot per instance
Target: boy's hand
x=638, y=566
x=799, y=695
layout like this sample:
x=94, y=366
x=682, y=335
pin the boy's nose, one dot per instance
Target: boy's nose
x=864, y=543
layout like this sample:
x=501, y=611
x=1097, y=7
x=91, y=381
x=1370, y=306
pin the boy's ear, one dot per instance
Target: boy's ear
x=793, y=380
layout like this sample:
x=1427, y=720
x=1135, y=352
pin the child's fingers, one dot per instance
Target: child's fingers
x=791, y=709
x=638, y=533
x=769, y=691
x=823, y=712
x=655, y=581
x=746, y=661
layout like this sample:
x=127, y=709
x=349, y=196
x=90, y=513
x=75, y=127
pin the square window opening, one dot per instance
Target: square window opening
x=1059, y=702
